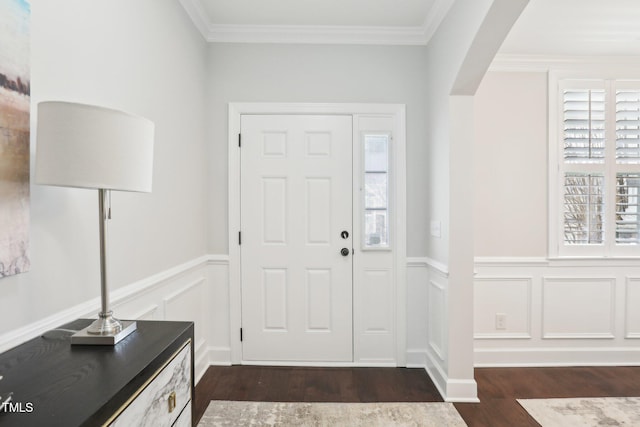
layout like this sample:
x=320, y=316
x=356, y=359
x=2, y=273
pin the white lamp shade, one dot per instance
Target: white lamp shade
x=86, y=146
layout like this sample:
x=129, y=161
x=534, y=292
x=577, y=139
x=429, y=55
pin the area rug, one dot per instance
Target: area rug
x=236, y=414
x=584, y=412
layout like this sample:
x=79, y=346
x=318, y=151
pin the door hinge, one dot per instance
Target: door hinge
x=239, y=140
x=240, y=334
x=239, y=237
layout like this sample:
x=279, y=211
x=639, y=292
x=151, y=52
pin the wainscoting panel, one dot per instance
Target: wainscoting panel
x=632, y=308
x=149, y=313
x=187, y=303
x=417, y=312
x=578, y=308
x=437, y=307
x=374, y=327
x=580, y=312
x=502, y=308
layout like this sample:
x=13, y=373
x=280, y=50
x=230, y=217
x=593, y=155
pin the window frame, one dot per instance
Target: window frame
x=558, y=82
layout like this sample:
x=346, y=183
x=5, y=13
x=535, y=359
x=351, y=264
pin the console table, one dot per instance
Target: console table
x=146, y=379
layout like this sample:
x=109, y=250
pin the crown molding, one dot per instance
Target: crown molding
x=317, y=34
x=546, y=63
x=434, y=18
x=197, y=14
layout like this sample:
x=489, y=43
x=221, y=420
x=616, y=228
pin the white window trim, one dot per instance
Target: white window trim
x=557, y=249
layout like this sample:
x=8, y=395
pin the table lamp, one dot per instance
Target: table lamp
x=87, y=146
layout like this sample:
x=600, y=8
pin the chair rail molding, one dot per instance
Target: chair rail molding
x=178, y=293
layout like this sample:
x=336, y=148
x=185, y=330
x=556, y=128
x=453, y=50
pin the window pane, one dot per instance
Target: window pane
x=375, y=185
x=627, y=209
x=376, y=191
x=376, y=229
x=628, y=127
x=584, y=132
x=583, y=208
x=376, y=153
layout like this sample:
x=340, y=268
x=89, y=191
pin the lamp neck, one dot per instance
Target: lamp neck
x=104, y=205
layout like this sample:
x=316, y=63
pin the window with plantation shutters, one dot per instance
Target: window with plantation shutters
x=597, y=180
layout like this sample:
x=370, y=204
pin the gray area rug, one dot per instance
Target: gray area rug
x=236, y=414
x=584, y=412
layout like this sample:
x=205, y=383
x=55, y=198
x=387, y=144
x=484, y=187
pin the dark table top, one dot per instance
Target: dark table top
x=56, y=384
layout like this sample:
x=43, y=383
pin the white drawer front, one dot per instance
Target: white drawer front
x=164, y=398
x=185, y=418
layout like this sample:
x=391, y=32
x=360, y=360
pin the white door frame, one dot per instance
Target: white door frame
x=399, y=217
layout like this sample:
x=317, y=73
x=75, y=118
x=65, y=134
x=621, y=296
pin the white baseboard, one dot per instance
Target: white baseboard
x=201, y=361
x=462, y=391
x=321, y=364
x=416, y=358
x=451, y=389
x=220, y=356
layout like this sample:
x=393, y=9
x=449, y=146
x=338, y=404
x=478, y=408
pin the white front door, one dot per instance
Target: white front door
x=296, y=202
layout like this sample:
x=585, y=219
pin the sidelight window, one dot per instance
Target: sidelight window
x=376, y=191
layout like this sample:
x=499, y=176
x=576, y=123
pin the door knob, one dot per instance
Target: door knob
x=344, y=252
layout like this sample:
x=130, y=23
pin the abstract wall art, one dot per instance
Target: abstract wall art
x=15, y=88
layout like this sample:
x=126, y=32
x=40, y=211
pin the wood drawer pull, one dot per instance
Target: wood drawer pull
x=172, y=401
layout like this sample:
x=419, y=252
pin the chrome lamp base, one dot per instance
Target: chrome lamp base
x=105, y=331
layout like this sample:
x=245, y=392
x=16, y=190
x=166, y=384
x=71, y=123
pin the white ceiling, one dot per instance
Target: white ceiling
x=546, y=27
x=576, y=27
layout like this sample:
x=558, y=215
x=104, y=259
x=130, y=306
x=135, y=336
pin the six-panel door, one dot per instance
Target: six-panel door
x=296, y=196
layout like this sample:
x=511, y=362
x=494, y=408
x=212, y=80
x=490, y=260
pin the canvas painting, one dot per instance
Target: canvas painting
x=15, y=87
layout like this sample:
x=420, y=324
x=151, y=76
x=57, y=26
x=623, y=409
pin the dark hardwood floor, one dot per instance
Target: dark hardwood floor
x=498, y=388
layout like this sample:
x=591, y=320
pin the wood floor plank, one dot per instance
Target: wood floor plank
x=279, y=384
x=498, y=388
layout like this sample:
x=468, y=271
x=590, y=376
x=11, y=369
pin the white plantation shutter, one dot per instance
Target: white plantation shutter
x=628, y=126
x=584, y=125
x=627, y=208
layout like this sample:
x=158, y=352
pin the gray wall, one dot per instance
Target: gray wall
x=318, y=73
x=144, y=57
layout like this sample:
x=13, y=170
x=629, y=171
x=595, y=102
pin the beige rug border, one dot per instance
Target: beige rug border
x=567, y=400
x=449, y=405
